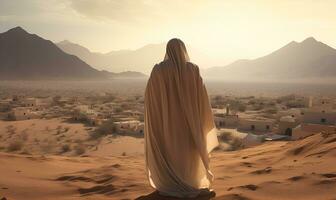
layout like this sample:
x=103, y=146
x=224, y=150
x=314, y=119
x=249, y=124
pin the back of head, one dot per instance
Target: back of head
x=176, y=52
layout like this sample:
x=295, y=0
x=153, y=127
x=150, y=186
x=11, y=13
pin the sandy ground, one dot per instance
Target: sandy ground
x=59, y=137
x=298, y=170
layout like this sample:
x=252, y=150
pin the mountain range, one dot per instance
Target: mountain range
x=28, y=56
x=142, y=59
x=297, y=60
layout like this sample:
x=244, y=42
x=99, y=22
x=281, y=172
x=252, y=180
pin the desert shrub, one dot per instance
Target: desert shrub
x=15, y=145
x=79, y=149
x=66, y=129
x=225, y=137
x=236, y=144
x=106, y=128
x=65, y=148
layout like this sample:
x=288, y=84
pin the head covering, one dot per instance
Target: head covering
x=177, y=52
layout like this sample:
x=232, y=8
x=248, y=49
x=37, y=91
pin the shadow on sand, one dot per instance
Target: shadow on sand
x=156, y=196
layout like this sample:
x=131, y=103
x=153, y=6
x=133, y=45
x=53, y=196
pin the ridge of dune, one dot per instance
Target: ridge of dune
x=301, y=169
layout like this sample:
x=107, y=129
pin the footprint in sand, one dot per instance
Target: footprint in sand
x=267, y=170
x=234, y=197
x=329, y=175
x=296, y=178
x=74, y=178
x=249, y=187
x=247, y=164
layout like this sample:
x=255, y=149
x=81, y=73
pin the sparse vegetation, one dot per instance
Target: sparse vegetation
x=65, y=148
x=106, y=128
x=79, y=149
x=235, y=143
x=15, y=145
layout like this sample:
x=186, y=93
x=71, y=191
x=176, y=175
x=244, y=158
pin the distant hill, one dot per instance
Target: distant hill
x=142, y=59
x=307, y=59
x=28, y=56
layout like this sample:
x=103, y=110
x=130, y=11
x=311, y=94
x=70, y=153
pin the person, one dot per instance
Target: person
x=179, y=126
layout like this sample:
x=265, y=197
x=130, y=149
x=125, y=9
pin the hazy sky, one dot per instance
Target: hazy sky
x=223, y=30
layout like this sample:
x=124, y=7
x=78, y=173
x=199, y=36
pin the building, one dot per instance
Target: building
x=226, y=121
x=287, y=124
x=256, y=125
x=305, y=130
x=22, y=113
x=131, y=126
x=224, y=118
x=296, y=113
x=323, y=102
x=37, y=104
x=324, y=117
x=315, y=121
x=29, y=102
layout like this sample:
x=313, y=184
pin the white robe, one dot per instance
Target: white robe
x=179, y=129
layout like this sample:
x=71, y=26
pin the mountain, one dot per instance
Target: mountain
x=296, y=60
x=28, y=56
x=142, y=59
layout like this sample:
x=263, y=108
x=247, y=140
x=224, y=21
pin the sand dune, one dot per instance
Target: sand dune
x=279, y=170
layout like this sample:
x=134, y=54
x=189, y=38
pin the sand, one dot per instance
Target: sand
x=304, y=169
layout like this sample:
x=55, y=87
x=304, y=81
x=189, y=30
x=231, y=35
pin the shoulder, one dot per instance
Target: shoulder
x=193, y=67
x=160, y=67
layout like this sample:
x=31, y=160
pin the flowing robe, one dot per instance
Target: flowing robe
x=179, y=130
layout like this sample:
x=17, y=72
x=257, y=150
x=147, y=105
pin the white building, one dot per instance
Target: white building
x=255, y=125
x=131, y=126
x=224, y=118
x=287, y=124
x=296, y=113
x=324, y=117
x=315, y=122
x=22, y=113
x=226, y=121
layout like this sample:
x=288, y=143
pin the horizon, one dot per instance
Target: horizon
x=103, y=26
x=153, y=44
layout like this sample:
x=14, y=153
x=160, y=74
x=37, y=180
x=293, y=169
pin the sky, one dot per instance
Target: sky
x=222, y=31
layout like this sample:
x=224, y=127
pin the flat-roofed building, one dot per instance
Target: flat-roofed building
x=305, y=130
x=256, y=125
x=287, y=124
x=323, y=117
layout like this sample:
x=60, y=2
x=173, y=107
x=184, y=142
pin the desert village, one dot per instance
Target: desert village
x=251, y=119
